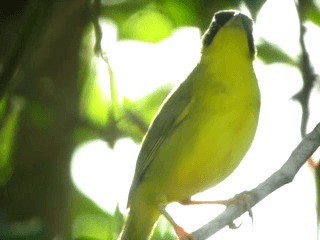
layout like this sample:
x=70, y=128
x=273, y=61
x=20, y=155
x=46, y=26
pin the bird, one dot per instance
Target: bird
x=203, y=129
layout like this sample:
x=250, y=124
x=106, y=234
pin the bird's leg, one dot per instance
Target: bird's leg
x=181, y=233
x=193, y=202
x=240, y=200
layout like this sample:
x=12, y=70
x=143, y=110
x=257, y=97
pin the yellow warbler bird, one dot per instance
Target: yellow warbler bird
x=202, y=131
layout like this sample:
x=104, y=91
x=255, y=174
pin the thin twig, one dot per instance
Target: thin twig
x=308, y=75
x=281, y=177
x=96, y=8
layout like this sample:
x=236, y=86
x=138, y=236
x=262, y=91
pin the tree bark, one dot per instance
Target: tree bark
x=40, y=184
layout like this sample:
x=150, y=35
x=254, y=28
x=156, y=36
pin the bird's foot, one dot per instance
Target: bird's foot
x=241, y=200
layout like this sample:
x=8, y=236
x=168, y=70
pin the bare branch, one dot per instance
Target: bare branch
x=281, y=177
x=308, y=75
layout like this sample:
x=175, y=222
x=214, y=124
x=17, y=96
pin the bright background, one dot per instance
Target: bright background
x=140, y=68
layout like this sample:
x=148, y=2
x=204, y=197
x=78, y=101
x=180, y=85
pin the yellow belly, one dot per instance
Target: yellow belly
x=214, y=148
x=213, y=136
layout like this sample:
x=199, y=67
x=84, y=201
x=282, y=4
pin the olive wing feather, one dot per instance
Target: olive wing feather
x=172, y=113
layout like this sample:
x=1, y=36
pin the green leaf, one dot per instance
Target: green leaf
x=152, y=21
x=82, y=205
x=92, y=226
x=7, y=136
x=312, y=13
x=119, y=12
x=41, y=116
x=140, y=20
x=94, y=105
x=149, y=24
x=139, y=114
x=149, y=105
x=3, y=107
x=91, y=222
x=182, y=13
x=95, y=226
x=309, y=10
x=254, y=6
x=270, y=53
x=23, y=230
x=163, y=230
x=85, y=134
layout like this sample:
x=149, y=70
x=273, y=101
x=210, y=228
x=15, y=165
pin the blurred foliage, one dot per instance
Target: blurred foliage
x=8, y=129
x=143, y=20
x=91, y=222
x=94, y=107
x=254, y=6
x=310, y=10
x=152, y=21
x=163, y=230
x=270, y=53
x=141, y=25
x=139, y=114
x=27, y=230
x=41, y=116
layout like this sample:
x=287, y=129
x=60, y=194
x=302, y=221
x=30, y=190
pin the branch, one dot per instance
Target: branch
x=95, y=13
x=281, y=177
x=307, y=71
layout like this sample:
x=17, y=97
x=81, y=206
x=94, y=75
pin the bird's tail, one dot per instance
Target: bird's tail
x=141, y=220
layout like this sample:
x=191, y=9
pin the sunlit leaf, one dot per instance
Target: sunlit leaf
x=94, y=104
x=120, y=12
x=182, y=13
x=163, y=230
x=95, y=226
x=270, y=53
x=92, y=226
x=152, y=21
x=140, y=20
x=149, y=24
x=91, y=222
x=312, y=13
x=119, y=221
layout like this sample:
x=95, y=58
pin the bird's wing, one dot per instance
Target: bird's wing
x=173, y=112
